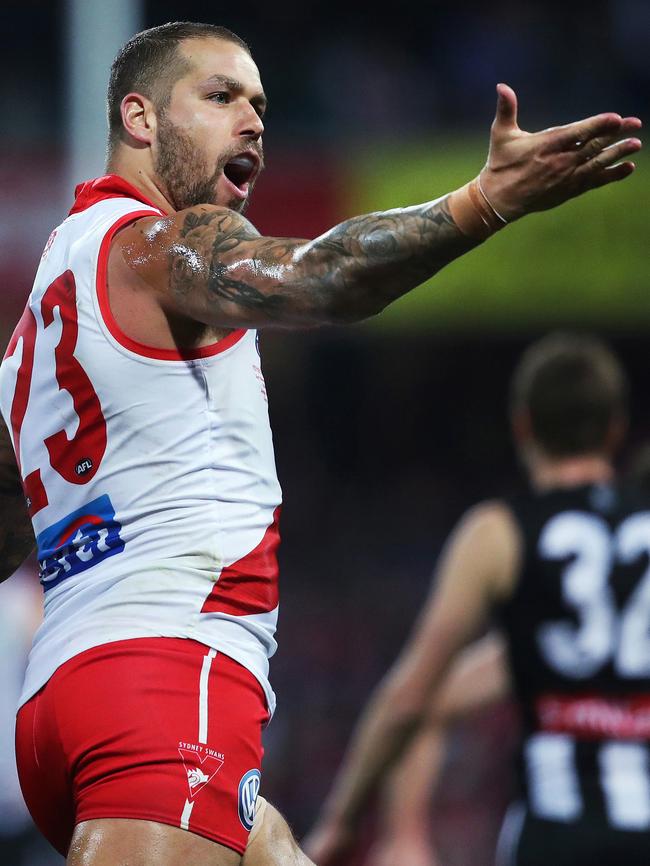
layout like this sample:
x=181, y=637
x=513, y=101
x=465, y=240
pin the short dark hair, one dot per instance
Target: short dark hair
x=573, y=386
x=150, y=63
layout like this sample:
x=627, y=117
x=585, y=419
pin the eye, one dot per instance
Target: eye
x=222, y=97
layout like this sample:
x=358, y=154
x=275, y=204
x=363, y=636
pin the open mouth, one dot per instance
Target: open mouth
x=241, y=169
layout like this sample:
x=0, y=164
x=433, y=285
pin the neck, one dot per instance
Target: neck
x=547, y=472
x=140, y=176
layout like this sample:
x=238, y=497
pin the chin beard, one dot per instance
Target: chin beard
x=184, y=171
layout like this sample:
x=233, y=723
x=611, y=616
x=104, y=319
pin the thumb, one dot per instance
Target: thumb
x=506, y=114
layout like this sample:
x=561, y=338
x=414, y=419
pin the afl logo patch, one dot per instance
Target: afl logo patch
x=248, y=790
x=83, y=466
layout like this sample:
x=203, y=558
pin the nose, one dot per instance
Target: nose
x=250, y=124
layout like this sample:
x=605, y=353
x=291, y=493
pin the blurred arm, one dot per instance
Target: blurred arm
x=16, y=533
x=478, y=567
x=478, y=678
x=404, y=825
x=209, y=264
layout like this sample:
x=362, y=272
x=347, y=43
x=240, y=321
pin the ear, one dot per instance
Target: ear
x=139, y=118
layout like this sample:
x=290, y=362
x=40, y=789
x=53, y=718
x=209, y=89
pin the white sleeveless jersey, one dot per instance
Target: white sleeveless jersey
x=149, y=474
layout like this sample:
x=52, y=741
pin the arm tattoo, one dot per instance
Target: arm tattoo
x=352, y=271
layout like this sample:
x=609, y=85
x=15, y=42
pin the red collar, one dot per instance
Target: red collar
x=109, y=186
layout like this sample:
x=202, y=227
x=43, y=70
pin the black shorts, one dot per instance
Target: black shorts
x=529, y=841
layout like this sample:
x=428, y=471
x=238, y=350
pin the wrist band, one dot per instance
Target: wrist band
x=503, y=220
x=473, y=212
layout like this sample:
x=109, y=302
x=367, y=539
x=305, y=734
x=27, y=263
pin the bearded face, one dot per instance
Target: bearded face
x=191, y=180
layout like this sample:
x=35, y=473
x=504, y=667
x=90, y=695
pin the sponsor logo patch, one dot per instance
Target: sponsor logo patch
x=78, y=541
x=249, y=787
x=595, y=717
x=201, y=764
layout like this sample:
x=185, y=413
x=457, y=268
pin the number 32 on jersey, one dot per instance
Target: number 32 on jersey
x=603, y=633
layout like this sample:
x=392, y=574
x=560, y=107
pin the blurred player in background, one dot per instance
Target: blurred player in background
x=564, y=571
x=133, y=390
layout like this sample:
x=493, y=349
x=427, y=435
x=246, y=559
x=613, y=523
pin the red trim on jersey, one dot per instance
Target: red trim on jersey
x=119, y=335
x=594, y=716
x=249, y=585
x=109, y=186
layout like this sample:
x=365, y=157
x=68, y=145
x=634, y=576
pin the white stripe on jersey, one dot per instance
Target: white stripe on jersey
x=203, y=696
x=187, y=812
x=553, y=787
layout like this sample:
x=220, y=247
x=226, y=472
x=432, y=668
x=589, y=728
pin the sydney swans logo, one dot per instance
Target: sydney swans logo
x=201, y=764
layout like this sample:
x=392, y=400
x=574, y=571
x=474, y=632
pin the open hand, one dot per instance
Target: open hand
x=528, y=172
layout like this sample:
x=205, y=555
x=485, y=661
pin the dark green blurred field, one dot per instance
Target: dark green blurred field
x=582, y=264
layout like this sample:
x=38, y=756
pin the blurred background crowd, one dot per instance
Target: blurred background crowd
x=385, y=432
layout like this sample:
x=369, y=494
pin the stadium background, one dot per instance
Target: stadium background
x=385, y=432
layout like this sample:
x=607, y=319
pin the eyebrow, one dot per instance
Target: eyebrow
x=258, y=101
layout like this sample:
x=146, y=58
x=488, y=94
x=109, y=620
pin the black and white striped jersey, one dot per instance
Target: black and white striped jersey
x=578, y=633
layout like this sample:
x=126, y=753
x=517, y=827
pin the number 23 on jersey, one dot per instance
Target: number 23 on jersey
x=76, y=459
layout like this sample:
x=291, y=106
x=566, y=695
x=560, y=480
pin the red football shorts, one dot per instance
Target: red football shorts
x=160, y=729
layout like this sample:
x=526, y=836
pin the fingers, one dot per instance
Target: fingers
x=606, y=167
x=589, y=149
x=631, y=124
x=610, y=175
x=608, y=156
x=506, y=114
x=608, y=125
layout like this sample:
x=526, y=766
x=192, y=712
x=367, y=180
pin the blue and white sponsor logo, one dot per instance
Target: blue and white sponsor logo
x=248, y=790
x=78, y=541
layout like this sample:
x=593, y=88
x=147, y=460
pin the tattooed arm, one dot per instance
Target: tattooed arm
x=208, y=263
x=16, y=534
x=214, y=266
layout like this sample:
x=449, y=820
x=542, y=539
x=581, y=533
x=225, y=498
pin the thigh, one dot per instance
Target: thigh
x=271, y=842
x=115, y=842
x=124, y=842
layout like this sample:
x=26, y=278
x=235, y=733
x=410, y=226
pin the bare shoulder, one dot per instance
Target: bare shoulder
x=490, y=535
x=184, y=241
x=159, y=269
x=491, y=515
x=210, y=264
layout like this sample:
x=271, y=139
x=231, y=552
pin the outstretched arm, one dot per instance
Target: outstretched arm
x=16, y=533
x=478, y=567
x=209, y=264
